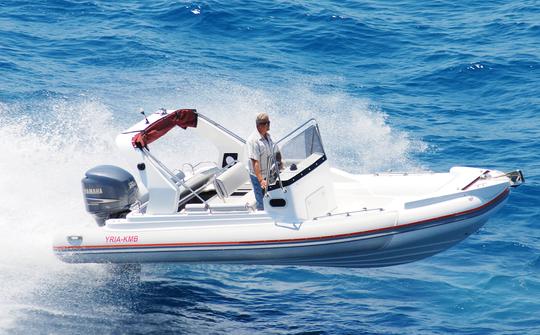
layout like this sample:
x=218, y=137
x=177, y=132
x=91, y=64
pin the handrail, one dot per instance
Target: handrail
x=365, y=209
x=272, y=162
x=154, y=160
x=193, y=167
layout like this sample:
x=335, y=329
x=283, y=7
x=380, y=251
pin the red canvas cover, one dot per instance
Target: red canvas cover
x=182, y=118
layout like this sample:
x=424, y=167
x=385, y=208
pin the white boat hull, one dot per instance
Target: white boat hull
x=314, y=215
x=398, y=244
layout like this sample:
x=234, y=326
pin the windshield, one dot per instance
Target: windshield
x=295, y=147
x=300, y=144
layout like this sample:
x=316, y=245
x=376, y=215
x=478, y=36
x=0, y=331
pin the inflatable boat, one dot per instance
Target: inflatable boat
x=314, y=214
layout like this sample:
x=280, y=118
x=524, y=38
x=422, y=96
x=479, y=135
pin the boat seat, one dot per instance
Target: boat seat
x=197, y=182
x=230, y=180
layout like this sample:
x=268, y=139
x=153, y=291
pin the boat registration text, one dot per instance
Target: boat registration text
x=122, y=239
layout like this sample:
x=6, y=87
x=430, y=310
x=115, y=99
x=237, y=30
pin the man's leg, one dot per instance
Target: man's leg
x=257, y=189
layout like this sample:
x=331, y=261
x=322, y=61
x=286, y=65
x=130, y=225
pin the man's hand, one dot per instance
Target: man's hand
x=264, y=184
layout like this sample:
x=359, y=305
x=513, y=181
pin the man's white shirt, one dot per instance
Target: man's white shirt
x=259, y=148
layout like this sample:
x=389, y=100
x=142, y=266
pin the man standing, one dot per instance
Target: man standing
x=259, y=150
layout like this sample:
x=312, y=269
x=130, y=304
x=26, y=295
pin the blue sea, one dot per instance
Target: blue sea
x=395, y=85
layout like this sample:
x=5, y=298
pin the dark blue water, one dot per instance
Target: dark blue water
x=397, y=85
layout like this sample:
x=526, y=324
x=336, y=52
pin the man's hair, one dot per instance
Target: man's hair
x=262, y=118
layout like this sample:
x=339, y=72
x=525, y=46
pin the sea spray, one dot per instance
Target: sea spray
x=51, y=141
x=45, y=155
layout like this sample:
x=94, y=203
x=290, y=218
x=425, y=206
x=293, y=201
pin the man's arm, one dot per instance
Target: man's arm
x=258, y=173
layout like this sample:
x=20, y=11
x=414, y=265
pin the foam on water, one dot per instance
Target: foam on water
x=51, y=142
x=44, y=158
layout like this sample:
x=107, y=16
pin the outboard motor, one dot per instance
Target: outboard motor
x=109, y=192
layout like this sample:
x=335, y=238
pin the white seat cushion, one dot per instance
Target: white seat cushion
x=229, y=181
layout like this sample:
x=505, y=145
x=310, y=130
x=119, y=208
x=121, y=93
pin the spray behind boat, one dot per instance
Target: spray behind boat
x=109, y=192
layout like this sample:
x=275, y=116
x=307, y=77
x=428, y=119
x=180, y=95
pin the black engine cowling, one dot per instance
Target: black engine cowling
x=109, y=192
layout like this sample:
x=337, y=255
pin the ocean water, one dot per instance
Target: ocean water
x=401, y=85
